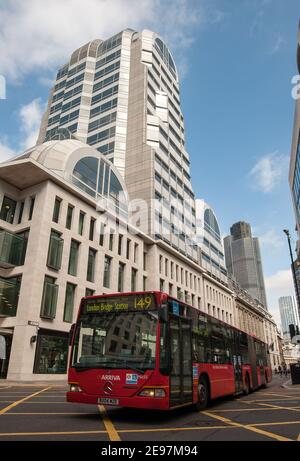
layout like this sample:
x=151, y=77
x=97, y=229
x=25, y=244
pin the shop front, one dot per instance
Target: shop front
x=51, y=355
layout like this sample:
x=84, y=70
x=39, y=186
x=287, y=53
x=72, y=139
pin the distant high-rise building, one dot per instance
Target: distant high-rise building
x=121, y=96
x=243, y=260
x=210, y=241
x=288, y=314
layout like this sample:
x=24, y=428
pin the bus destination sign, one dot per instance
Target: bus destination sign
x=134, y=302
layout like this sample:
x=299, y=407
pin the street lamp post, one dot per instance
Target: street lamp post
x=287, y=233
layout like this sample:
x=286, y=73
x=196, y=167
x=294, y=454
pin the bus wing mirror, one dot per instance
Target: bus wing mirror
x=163, y=313
x=71, y=333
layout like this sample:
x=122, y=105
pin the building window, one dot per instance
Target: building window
x=8, y=210
x=31, y=208
x=111, y=240
x=49, y=299
x=81, y=222
x=120, y=245
x=128, y=249
x=69, y=216
x=107, y=270
x=102, y=232
x=91, y=265
x=144, y=283
x=89, y=292
x=69, y=302
x=9, y=296
x=121, y=277
x=92, y=229
x=55, y=250
x=51, y=352
x=144, y=261
x=170, y=289
x=160, y=264
x=161, y=285
x=133, y=279
x=73, y=258
x=56, y=210
x=21, y=212
x=179, y=293
x=135, y=255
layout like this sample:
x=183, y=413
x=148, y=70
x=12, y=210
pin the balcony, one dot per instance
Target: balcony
x=12, y=249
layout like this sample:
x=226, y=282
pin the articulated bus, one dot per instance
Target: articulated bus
x=149, y=350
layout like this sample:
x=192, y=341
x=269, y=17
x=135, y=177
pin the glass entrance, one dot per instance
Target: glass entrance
x=5, y=347
x=181, y=380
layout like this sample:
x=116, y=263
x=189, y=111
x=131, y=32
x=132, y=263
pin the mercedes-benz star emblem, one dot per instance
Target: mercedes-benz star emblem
x=108, y=387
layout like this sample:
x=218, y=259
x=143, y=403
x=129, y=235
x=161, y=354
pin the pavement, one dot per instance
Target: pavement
x=39, y=412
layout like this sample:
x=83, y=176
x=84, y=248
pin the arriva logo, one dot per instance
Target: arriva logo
x=110, y=378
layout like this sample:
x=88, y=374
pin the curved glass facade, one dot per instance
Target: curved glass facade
x=96, y=177
x=165, y=54
x=211, y=224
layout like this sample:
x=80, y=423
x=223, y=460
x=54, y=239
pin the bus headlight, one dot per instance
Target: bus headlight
x=74, y=387
x=152, y=393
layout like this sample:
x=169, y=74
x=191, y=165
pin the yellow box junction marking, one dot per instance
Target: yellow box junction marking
x=110, y=428
x=249, y=428
x=14, y=404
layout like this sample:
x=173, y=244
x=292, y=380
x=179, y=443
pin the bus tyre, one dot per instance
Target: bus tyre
x=203, y=394
x=265, y=385
x=247, y=385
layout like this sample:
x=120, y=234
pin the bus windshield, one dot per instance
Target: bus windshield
x=116, y=340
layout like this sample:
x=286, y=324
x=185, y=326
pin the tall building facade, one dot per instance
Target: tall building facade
x=243, y=260
x=294, y=173
x=288, y=314
x=122, y=97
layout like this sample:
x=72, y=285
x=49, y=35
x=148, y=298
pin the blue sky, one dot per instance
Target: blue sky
x=236, y=59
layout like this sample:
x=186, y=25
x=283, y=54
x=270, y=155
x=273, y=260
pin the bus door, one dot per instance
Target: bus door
x=252, y=358
x=181, y=379
x=237, y=363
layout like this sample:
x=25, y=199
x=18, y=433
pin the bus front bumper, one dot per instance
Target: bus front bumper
x=150, y=403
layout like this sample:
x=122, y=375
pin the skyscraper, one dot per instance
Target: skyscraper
x=121, y=96
x=288, y=314
x=294, y=174
x=243, y=260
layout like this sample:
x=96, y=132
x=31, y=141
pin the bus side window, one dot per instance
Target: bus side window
x=228, y=344
x=218, y=343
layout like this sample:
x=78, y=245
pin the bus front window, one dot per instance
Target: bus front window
x=116, y=340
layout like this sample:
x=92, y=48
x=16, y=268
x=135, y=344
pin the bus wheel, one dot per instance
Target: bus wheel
x=265, y=385
x=247, y=385
x=203, y=394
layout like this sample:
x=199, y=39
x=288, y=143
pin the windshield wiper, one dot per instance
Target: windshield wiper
x=113, y=365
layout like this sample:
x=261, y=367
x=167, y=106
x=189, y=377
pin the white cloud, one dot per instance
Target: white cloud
x=268, y=172
x=6, y=152
x=279, y=42
x=40, y=35
x=29, y=116
x=271, y=239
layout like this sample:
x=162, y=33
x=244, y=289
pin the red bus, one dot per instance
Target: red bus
x=149, y=350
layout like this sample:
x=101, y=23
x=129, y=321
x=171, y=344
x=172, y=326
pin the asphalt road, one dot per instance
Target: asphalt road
x=41, y=413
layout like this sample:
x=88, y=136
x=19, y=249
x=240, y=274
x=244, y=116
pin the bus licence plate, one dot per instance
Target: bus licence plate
x=109, y=401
